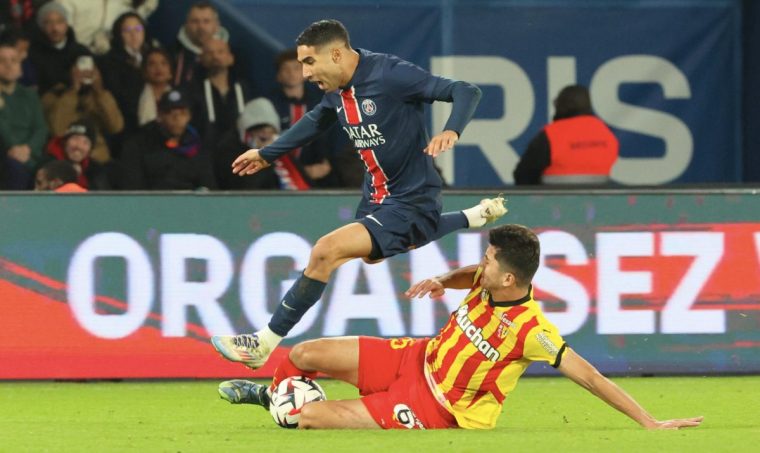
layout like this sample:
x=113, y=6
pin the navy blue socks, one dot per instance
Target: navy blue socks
x=304, y=293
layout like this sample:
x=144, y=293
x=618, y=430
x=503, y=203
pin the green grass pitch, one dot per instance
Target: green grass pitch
x=543, y=414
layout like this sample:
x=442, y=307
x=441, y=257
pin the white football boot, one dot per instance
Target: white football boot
x=246, y=349
x=487, y=211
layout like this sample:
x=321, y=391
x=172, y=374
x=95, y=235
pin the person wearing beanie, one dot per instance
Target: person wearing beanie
x=576, y=148
x=262, y=128
x=257, y=126
x=85, y=98
x=167, y=154
x=76, y=147
x=55, y=49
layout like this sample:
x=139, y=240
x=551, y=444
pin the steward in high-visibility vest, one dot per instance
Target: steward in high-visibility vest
x=577, y=148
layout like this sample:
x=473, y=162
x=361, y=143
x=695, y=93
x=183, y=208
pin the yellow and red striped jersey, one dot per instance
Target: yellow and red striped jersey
x=478, y=356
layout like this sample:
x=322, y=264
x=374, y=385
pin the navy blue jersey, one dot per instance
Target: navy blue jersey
x=381, y=110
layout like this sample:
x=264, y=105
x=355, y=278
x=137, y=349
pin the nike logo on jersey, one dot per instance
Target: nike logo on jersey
x=338, y=109
x=372, y=218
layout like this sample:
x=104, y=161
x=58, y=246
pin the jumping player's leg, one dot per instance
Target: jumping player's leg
x=330, y=251
x=488, y=210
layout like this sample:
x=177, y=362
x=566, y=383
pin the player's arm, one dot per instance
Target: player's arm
x=412, y=83
x=436, y=286
x=464, y=98
x=311, y=126
x=587, y=376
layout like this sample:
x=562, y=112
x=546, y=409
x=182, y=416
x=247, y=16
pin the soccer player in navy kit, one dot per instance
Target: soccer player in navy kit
x=378, y=101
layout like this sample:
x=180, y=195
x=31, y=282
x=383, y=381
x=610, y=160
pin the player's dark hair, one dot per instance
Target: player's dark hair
x=517, y=249
x=285, y=56
x=62, y=170
x=323, y=32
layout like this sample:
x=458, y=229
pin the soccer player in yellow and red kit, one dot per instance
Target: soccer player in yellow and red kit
x=458, y=379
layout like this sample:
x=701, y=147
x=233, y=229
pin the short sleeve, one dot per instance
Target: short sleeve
x=544, y=344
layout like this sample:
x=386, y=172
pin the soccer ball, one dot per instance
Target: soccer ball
x=290, y=396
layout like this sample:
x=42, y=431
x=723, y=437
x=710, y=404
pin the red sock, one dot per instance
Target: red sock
x=287, y=369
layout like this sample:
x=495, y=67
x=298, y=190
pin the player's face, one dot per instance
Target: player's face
x=494, y=276
x=321, y=66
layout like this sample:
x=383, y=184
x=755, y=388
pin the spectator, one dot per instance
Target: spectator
x=121, y=69
x=21, y=38
x=58, y=176
x=167, y=154
x=84, y=99
x=293, y=99
x=22, y=124
x=219, y=97
x=157, y=77
x=201, y=24
x=92, y=20
x=576, y=148
x=76, y=147
x=55, y=49
x=20, y=13
x=257, y=127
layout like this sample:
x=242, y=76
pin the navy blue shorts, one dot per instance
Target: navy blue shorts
x=397, y=228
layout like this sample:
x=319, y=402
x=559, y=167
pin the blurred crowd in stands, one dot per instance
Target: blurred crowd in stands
x=89, y=101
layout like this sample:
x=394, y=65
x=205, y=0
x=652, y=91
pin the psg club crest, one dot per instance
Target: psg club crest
x=368, y=107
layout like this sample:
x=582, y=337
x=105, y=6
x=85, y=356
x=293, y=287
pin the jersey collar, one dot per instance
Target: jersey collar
x=511, y=303
x=359, y=71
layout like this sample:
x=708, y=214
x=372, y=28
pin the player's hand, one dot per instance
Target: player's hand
x=441, y=142
x=249, y=163
x=677, y=423
x=431, y=286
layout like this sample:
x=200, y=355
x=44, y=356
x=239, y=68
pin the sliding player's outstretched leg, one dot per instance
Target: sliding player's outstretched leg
x=240, y=391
